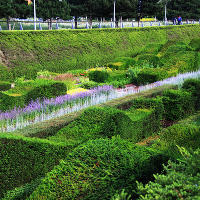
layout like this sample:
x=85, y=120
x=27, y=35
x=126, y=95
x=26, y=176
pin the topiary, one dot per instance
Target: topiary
x=98, y=76
x=97, y=169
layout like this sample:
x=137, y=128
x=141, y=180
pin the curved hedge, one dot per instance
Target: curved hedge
x=96, y=169
x=28, y=52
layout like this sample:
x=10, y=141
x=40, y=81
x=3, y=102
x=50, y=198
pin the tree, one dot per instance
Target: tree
x=52, y=9
x=14, y=8
x=164, y=2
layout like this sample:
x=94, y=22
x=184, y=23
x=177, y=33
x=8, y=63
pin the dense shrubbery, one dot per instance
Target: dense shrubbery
x=24, y=159
x=193, y=86
x=177, y=104
x=98, y=76
x=195, y=44
x=96, y=169
x=122, y=63
x=26, y=91
x=180, y=181
x=185, y=135
x=4, y=85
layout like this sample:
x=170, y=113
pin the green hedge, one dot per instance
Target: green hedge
x=180, y=180
x=25, y=159
x=193, y=86
x=26, y=92
x=4, y=85
x=150, y=75
x=184, y=135
x=96, y=122
x=177, y=104
x=29, y=51
x=122, y=63
x=96, y=169
x=98, y=76
x=195, y=44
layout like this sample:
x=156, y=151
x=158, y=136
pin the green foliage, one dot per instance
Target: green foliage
x=122, y=63
x=89, y=84
x=186, y=135
x=76, y=49
x=46, y=90
x=177, y=104
x=106, y=164
x=26, y=91
x=96, y=122
x=148, y=58
x=180, y=181
x=150, y=75
x=98, y=76
x=23, y=192
x=195, y=44
x=193, y=86
x=25, y=159
x=4, y=85
x=5, y=73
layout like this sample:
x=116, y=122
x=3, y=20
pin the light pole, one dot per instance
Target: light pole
x=34, y=8
x=114, y=14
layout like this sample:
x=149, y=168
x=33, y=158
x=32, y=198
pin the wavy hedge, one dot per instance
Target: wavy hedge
x=25, y=159
x=26, y=52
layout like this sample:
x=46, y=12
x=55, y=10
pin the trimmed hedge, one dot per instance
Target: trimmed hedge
x=193, y=86
x=122, y=63
x=96, y=122
x=80, y=49
x=4, y=85
x=25, y=159
x=184, y=135
x=98, y=76
x=195, y=44
x=24, y=94
x=150, y=75
x=177, y=104
x=96, y=169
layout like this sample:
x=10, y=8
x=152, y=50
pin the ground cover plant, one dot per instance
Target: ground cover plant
x=83, y=154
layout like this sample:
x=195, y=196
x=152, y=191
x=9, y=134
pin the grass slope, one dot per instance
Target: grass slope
x=26, y=52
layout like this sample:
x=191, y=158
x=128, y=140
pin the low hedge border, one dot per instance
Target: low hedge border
x=50, y=127
x=19, y=155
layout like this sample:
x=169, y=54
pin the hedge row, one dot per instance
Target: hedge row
x=25, y=159
x=96, y=169
x=24, y=94
x=29, y=52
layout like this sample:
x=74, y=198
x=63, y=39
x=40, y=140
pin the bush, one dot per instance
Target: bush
x=46, y=90
x=180, y=181
x=150, y=75
x=195, y=44
x=126, y=62
x=25, y=159
x=23, y=192
x=96, y=169
x=177, y=104
x=193, y=86
x=96, y=122
x=4, y=85
x=185, y=135
x=5, y=74
x=26, y=91
x=148, y=58
x=98, y=76
x=89, y=85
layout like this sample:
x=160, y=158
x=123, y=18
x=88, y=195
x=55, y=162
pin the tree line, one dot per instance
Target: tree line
x=65, y=9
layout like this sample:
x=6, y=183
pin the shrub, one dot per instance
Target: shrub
x=193, y=86
x=23, y=192
x=148, y=58
x=5, y=74
x=25, y=159
x=4, y=85
x=195, y=44
x=185, y=135
x=89, y=85
x=150, y=75
x=152, y=48
x=177, y=104
x=96, y=122
x=180, y=181
x=126, y=63
x=46, y=90
x=98, y=76
x=96, y=169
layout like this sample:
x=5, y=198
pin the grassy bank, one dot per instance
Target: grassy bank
x=27, y=52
